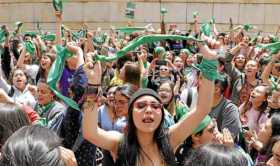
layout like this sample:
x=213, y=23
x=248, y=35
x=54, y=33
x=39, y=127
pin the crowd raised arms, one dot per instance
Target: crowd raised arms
x=137, y=96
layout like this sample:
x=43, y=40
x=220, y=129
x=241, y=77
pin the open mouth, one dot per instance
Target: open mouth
x=163, y=97
x=18, y=81
x=148, y=120
x=44, y=64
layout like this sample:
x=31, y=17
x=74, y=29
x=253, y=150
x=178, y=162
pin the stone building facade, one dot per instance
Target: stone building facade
x=103, y=13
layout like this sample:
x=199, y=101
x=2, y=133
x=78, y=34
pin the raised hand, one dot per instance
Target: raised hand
x=68, y=157
x=93, y=71
x=207, y=52
x=58, y=15
x=227, y=138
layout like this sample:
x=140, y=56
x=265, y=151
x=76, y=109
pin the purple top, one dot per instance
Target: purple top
x=65, y=80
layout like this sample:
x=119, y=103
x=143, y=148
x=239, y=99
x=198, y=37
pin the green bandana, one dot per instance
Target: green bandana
x=41, y=110
x=206, y=29
x=195, y=14
x=2, y=36
x=213, y=21
x=56, y=72
x=30, y=48
x=248, y=27
x=273, y=38
x=99, y=40
x=58, y=5
x=163, y=11
x=265, y=60
x=273, y=47
x=208, y=68
x=142, y=40
x=49, y=37
x=203, y=124
x=42, y=122
x=130, y=30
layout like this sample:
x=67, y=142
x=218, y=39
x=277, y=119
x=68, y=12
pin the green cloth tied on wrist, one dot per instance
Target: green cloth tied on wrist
x=142, y=40
x=208, y=68
x=56, y=72
x=30, y=47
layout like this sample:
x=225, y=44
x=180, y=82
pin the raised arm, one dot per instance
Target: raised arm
x=267, y=70
x=108, y=140
x=20, y=62
x=229, y=68
x=78, y=51
x=3, y=84
x=184, y=128
x=58, y=16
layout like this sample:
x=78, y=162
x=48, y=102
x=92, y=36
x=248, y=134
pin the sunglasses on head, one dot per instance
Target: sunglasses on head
x=143, y=105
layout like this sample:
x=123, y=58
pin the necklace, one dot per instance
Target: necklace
x=147, y=156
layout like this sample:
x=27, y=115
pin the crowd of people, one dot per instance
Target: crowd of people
x=139, y=97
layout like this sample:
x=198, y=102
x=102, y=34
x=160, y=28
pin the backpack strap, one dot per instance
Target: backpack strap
x=11, y=92
x=189, y=97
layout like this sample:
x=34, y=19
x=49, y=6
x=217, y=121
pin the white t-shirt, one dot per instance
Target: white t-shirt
x=32, y=71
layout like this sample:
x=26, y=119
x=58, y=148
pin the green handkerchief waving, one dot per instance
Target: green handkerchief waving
x=56, y=72
x=30, y=47
x=58, y=5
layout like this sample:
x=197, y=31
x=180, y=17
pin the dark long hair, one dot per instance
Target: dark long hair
x=171, y=106
x=216, y=155
x=32, y=145
x=275, y=136
x=129, y=148
x=262, y=107
x=11, y=119
x=41, y=72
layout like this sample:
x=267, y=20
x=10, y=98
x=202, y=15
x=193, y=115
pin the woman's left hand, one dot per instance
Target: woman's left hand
x=68, y=157
x=227, y=138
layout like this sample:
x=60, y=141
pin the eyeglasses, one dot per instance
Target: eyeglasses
x=143, y=105
x=164, y=69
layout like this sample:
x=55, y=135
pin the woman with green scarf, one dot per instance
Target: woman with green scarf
x=50, y=111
